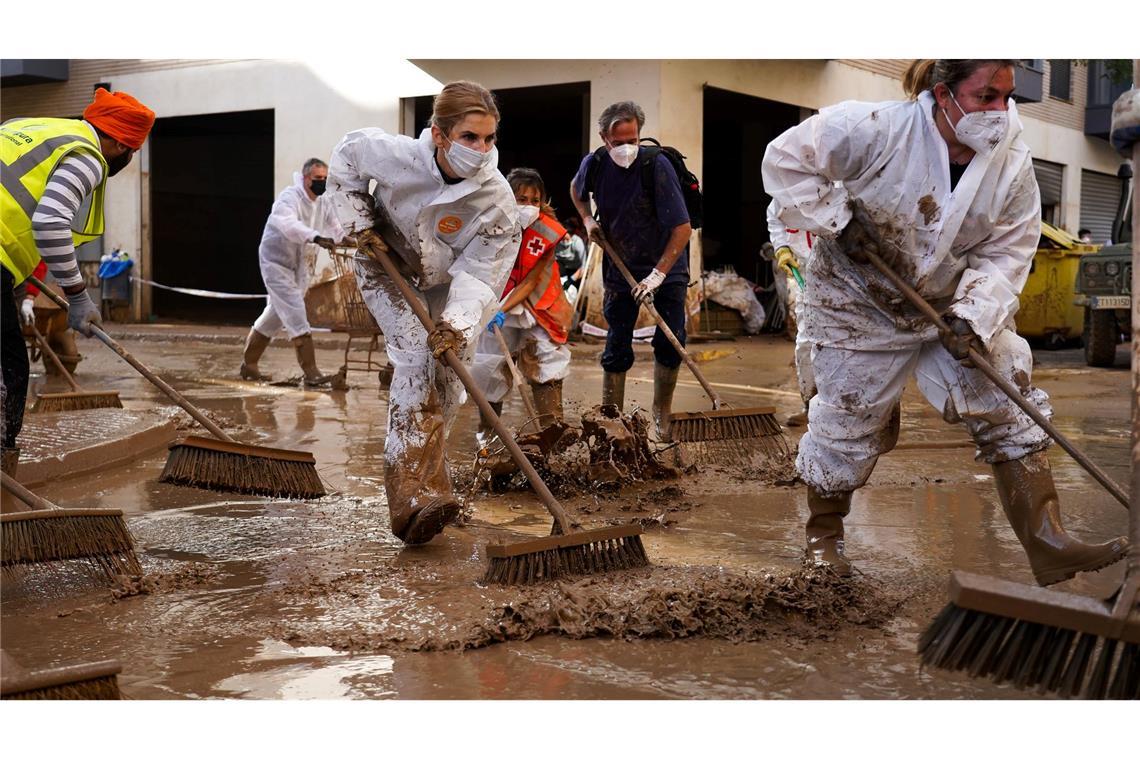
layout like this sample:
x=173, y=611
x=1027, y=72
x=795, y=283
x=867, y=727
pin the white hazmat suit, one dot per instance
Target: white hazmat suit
x=967, y=251
x=456, y=244
x=799, y=242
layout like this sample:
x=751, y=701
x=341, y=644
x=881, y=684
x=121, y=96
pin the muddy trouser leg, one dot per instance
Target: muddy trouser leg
x=670, y=304
x=14, y=360
x=804, y=374
x=620, y=311
x=492, y=375
x=422, y=398
x=268, y=323
x=545, y=364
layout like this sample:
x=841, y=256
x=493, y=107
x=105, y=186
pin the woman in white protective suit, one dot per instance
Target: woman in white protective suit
x=951, y=202
x=534, y=315
x=299, y=218
x=448, y=218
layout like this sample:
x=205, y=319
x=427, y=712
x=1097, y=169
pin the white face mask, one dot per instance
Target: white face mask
x=528, y=215
x=980, y=131
x=466, y=162
x=623, y=155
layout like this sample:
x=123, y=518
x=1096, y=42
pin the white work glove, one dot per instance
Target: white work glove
x=82, y=313
x=28, y=311
x=644, y=290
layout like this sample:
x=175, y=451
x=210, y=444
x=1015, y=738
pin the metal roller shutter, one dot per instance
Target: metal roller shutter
x=1100, y=196
x=1049, y=176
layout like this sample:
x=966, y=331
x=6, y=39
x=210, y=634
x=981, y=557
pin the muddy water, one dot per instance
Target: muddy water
x=262, y=598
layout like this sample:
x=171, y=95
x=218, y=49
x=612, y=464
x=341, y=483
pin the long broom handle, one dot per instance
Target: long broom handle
x=1007, y=387
x=111, y=343
x=12, y=486
x=453, y=361
x=692, y=365
x=530, y=410
x=55, y=360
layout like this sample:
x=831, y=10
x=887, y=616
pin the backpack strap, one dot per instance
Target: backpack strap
x=592, y=169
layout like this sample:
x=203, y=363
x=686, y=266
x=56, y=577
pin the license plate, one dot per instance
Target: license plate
x=1110, y=302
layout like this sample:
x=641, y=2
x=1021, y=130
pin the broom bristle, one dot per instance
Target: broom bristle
x=90, y=680
x=97, y=537
x=1026, y=654
x=192, y=465
x=74, y=402
x=601, y=555
x=730, y=438
x=106, y=687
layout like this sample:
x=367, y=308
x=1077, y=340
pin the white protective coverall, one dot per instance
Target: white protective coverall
x=797, y=240
x=540, y=359
x=456, y=245
x=966, y=251
x=293, y=223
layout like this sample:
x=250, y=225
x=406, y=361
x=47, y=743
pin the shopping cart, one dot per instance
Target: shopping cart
x=337, y=304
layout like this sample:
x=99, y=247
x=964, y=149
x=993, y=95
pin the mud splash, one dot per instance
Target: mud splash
x=184, y=577
x=654, y=603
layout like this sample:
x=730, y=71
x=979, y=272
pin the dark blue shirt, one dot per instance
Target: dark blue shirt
x=637, y=228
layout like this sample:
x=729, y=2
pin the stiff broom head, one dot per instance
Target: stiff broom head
x=733, y=433
x=241, y=468
x=580, y=553
x=72, y=402
x=99, y=537
x=1032, y=637
x=95, y=680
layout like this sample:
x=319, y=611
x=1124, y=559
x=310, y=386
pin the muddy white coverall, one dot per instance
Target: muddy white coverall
x=456, y=244
x=293, y=223
x=966, y=251
x=797, y=240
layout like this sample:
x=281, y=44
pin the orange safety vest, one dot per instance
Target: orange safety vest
x=547, y=302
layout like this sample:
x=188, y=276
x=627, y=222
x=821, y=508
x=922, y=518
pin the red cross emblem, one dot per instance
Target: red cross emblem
x=535, y=245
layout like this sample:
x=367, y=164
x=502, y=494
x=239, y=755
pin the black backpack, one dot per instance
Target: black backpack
x=690, y=185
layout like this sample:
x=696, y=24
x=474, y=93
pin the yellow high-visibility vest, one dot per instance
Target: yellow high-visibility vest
x=30, y=149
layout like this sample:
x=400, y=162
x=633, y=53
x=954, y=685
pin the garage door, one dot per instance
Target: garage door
x=1049, y=177
x=1100, y=196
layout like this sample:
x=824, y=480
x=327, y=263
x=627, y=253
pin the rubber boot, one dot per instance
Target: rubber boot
x=547, y=402
x=307, y=358
x=613, y=389
x=825, y=530
x=255, y=345
x=416, y=478
x=664, y=384
x=486, y=432
x=63, y=343
x=11, y=457
x=1029, y=497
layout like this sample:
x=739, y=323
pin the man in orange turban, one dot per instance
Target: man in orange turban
x=51, y=168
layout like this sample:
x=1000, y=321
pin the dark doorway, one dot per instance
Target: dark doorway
x=545, y=128
x=737, y=130
x=211, y=191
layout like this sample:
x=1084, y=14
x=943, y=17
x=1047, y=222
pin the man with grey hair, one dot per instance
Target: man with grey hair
x=647, y=224
x=299, y=218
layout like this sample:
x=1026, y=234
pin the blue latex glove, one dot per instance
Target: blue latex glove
x=496, y=321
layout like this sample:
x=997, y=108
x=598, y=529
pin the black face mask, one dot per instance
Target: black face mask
x=317, y=186
x=119, y=162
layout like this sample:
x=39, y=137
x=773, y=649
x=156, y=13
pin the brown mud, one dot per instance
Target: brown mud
x=262, y=598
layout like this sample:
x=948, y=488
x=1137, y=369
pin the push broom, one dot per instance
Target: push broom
x=569, y=550
x=78, y=398
x=222, y=464
x=89, y=680
x=47, y=533
x=1026, y=635
x=739, y=432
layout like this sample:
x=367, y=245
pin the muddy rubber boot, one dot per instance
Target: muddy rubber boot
x=255, y=345
x=825, y=530
x=486, y=432
x=307, y=358
x=11, y=457
x=1029, y=497
x=664, y=384
x=416, y=478
x=547, y=402
x=613, y=389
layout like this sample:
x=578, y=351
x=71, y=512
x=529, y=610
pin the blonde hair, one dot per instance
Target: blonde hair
x=458, y=99
x=924, y=74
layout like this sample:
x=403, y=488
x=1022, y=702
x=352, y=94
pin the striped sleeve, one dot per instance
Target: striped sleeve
x=73, y=180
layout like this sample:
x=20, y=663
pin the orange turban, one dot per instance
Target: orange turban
x=120, y=116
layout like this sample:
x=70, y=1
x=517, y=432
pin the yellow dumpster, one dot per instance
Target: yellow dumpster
x=1047, y=309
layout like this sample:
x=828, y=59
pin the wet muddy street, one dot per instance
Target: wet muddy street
x=271, y=599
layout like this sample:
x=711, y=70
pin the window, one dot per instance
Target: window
x=1060, y=79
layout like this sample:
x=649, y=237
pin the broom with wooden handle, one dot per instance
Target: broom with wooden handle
x=1029, y=636
x=88, y=680
x=223, y=464
x=569, y=550
x=47, y=533
x=745, y=429
x=78, y=398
